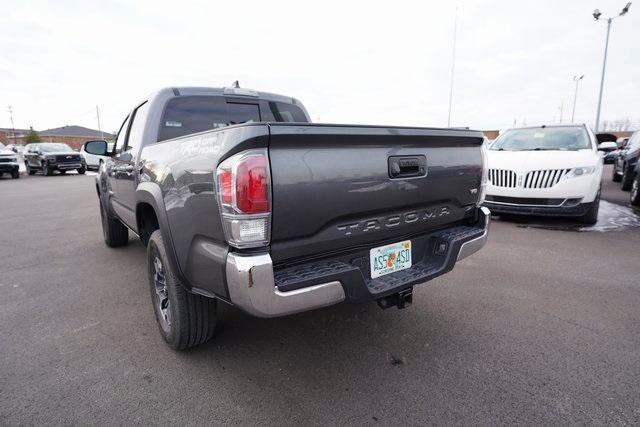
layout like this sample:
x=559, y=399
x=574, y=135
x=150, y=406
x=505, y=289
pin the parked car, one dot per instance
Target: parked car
x=239, y=199
x=8, y=162
x=48, y=157
x=624, y=169
x=611, y=157
x=547, y=170
x=601, y=137
x=92, y=161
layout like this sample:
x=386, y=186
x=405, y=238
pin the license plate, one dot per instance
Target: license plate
x=390, y=258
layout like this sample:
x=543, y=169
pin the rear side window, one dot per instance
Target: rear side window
x=281, y=112
x=185, y=115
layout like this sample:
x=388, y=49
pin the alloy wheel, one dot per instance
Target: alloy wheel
x=162, y=297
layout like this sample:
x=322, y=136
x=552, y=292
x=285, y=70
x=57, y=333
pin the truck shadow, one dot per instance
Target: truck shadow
x=340, y=348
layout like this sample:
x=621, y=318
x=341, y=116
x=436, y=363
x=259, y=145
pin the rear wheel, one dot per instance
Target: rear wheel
x=591, y=216
x=627, y=179
x=28, y=168
x=185, y=319
x=635, y=192
x=81, y=171
x=114, y=232
x=15, y=174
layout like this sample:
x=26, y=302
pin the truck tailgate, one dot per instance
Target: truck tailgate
x=337, y=188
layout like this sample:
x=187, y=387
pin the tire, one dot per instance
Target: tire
x=184, y=319
x=63, y=172
x=28, y=168
x=627, y=179
x=46, y=171
x=81, y=171
x=591, y=216
x=15, y=175
x=634, y=197
x=615, y=177
x=114, y=232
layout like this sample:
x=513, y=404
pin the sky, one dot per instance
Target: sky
x=369, y=62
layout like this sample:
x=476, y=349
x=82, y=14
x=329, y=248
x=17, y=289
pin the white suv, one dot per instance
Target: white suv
x=547, y=170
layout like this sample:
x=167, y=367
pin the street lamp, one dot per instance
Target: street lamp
x=596, y=16
x=575, y=95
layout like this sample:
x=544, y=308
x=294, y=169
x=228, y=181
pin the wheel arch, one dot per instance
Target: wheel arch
x=150, y=216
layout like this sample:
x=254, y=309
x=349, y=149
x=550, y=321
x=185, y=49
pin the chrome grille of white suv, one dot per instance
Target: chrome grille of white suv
x=502, y=178
x=544, y=178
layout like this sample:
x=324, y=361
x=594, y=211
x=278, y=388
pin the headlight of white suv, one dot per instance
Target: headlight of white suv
x=581, y=171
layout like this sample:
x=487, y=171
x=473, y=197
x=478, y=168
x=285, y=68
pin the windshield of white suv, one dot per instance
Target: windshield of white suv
x=538, y=139
x=50, y=148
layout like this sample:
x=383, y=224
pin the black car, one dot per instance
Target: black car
x=48, y=157
x=624, y=168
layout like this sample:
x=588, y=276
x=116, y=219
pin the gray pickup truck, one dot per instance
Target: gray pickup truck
x=239, y=198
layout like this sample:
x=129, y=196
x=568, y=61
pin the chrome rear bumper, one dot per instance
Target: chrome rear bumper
x=252, y=287
x=473, y=246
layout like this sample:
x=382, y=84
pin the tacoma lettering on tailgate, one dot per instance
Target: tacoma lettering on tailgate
x=394, y=220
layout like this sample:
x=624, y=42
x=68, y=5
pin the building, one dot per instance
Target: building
x=7, y=135
x=74, y=136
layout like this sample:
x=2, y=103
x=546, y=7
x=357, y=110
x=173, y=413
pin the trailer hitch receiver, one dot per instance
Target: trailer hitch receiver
x=402, y=299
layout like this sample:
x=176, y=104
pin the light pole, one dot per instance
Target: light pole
x=596, y=16
x=575, y=96
x=13, y=128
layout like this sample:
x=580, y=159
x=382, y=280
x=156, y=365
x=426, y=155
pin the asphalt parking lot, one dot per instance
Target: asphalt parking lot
x=539, y=327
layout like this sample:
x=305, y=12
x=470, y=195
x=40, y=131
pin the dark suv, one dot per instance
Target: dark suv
x=48, y=157
x=625, y=166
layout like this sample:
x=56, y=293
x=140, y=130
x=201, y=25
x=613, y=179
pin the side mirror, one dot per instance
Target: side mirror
x=607, y=146
x=99, y=147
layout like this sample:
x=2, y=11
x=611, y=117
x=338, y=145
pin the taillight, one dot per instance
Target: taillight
x=225, y=177
x=252, y=186
x=243, y=184
x=484, y=154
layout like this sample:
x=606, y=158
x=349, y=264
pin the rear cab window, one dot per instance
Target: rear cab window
x=185, y=115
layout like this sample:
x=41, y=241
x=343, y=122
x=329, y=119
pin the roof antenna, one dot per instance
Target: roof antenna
x=235, y=84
